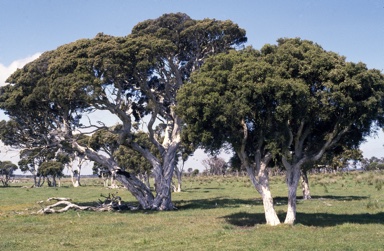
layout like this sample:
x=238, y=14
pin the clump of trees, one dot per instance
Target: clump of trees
x=372, y=164
x=215, y=165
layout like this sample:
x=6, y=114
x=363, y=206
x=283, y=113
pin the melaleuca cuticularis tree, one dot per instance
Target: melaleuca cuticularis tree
x=134, y=78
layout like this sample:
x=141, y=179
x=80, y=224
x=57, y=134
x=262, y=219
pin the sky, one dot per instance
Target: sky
x=352, y=28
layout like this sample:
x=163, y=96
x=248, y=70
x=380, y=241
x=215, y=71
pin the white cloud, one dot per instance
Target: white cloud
x=6, y=71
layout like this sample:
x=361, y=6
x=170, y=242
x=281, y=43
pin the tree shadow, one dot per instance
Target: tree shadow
x=193, y=190
x=339, y=198
x=217, y=202
x=15, y=186
x=222, y=202
x=243, y=219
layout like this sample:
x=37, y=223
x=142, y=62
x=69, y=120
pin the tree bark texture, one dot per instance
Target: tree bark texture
x=293, y=177
x=305, y=185
x=261, y=184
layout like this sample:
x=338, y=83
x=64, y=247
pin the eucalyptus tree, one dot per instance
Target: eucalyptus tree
x=293, y=100
x=342, y=101
x=6, y=171
x=134, y=78
x=51, y=169
x=215, y=165
x=231, y=100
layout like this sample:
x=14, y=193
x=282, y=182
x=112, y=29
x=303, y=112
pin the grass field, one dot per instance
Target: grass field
x=215, y=213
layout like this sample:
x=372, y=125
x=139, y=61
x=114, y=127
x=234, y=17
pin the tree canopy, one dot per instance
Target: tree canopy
x=135, y=78
x=6, y=171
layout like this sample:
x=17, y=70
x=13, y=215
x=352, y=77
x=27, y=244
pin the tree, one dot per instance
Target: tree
x=372, y=163
x=185, y=150
x=6, y=171
x=215, y=165
x=76, y=161
x=341, y=102
x=135, y=78
x=51, y=169
x=228, y=102
x=294, y=100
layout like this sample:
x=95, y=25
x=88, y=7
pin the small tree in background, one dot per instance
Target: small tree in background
x=372, y=163
x=51, y=170
x=6, y=171
x=215, y=165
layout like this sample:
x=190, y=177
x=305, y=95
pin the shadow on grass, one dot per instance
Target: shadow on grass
x=217, y=202
x=192, y=190
x=340, y=198
x=221, y=202
x=244, y=219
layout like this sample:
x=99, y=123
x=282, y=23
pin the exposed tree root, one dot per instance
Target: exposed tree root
x=110, y=203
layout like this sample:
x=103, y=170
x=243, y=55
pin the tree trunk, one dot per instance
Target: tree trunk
x=34, y=180
x=261, y=184
x=293, y=177
x=75, y=176
x=113, y=181
x=178, y=174
x=163, y=181
x=105, y=179
x=305, y=185
x=41, y=181
x=146, y=180
x=137, y=188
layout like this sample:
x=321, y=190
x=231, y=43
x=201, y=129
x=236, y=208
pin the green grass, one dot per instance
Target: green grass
x=215, y=213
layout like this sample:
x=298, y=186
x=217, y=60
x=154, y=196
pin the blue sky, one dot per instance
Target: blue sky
x=353, y=28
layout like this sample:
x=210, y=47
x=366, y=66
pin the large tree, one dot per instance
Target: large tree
x=343, y=100
x=134, y=78
x=231, y=100
x=294, y=100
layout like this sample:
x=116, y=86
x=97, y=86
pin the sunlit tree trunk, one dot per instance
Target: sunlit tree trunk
x=137, y=188
x=163, y=181
x=178, y=174
x=292, y=179
x=261, y=184
x=305, y=185
x=258, y=175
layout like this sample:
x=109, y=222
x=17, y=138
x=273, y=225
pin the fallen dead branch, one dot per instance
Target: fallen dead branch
x=110, y=203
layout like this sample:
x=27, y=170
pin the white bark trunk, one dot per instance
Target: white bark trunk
x=137, y=188
x=259, y=177
x=178, y=174
x=293, y=177
x=163, y=182
x=261, y=184
x=305, y=185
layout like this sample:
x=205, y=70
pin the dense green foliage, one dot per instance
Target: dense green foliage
x=293, y=100
x=291, y=93
x=6, y=171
